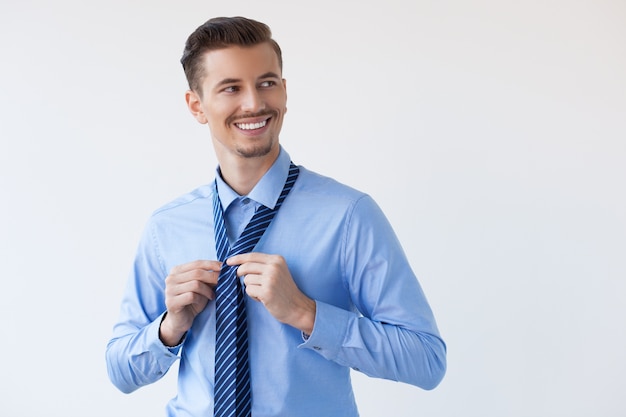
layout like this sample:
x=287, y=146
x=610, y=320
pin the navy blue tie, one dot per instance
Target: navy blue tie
x=232, y=393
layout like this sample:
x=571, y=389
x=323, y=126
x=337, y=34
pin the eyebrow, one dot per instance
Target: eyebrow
x=270, y=75
x=227, y=81
x=236, y=80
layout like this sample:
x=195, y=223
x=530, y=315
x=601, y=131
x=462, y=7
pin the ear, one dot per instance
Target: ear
x=285, y=87
x=194, y=103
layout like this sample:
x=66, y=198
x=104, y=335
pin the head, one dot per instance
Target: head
x=219, y=33
x=234, y=69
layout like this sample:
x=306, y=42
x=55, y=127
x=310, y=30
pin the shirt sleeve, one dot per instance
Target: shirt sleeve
x=135, y=355
x=392, y=334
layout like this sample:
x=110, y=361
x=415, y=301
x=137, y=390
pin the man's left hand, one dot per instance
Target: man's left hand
x=268, y=280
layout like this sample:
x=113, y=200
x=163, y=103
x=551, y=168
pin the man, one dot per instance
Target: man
x=325, y=289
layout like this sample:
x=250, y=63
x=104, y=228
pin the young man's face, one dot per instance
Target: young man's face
x=243, y=100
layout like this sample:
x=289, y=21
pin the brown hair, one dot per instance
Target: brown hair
x=219, y=33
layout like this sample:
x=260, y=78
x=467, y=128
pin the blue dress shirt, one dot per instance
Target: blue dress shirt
x=371, y=316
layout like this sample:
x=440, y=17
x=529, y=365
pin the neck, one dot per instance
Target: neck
x=242, y=173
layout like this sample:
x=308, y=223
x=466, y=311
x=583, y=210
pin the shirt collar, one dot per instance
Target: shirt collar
x=266, y=191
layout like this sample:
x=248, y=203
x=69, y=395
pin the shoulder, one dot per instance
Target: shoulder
x=197, y=200
x=318, y=195
x=313, y=185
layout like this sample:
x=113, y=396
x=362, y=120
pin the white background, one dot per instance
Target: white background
x=492, y=133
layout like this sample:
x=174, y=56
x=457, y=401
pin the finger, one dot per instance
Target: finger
x=195, y=287
x=248, y=257
x=253, y=280
x=189, y=302
x=202, y=275
x=207, y=265
x=179, y=302
x=251, y=268
x=254, y=292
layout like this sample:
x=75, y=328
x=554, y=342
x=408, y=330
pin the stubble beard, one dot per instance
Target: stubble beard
x=256, y=151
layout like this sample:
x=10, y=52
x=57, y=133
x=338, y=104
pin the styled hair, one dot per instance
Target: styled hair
x=220, y=33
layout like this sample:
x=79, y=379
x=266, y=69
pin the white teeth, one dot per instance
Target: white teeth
x=251, y=126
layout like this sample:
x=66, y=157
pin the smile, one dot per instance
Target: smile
x=251, y=126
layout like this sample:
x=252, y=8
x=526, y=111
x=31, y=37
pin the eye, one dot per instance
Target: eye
x=267, y=84
x=231, y=89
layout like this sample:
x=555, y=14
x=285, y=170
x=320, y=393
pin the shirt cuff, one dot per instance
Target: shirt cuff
x=164, y=355
x=329, y=330
x=173, y=349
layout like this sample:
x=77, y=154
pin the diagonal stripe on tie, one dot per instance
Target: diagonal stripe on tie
x=232, y=392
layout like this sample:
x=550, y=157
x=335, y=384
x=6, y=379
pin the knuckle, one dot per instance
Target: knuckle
x=187, y=298
x=274, y=269
x=197, y=274
x=196, y=286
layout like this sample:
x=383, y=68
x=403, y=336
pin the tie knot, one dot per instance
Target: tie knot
x=229, y=289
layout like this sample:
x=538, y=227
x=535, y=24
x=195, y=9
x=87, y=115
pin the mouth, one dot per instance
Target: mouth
x=252, y=126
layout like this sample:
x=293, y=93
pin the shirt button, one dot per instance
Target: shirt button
x=245, y=200
x=317, y=348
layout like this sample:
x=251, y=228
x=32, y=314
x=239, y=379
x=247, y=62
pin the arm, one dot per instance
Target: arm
x=377, y=349
x=146, y=340
x=138, y=358
x=393, y=335
x=135, y=356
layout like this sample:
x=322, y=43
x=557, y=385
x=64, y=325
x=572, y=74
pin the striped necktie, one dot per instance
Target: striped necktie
x=232, y=375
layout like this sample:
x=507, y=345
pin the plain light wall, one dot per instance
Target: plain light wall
x=492, y=133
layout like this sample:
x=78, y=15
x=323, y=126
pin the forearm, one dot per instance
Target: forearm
x=138, y=358
x=377, y=349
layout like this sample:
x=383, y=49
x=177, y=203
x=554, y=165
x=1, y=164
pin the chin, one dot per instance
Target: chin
x=257, y=151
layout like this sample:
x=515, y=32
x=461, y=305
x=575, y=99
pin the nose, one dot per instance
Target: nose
x=252, y=101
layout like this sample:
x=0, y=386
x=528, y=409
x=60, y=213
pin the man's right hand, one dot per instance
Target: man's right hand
x=188, y=289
